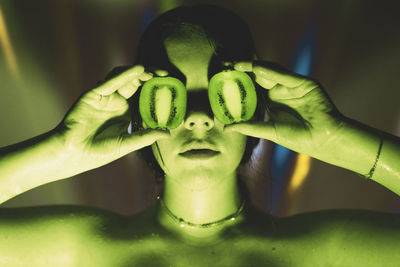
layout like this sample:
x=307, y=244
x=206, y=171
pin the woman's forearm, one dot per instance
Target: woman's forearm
x=31, y=163
x=357, y=148
x=93, y=133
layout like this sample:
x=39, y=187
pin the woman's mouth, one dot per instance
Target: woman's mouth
x=199, y=154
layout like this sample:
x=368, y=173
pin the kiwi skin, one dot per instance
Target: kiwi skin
x=147, y=103
x=247, y=92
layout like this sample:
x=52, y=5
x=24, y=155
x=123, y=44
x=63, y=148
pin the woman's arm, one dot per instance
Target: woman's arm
x=92, y=134
x=358, y=149
x=303, y=118
x=34, y=162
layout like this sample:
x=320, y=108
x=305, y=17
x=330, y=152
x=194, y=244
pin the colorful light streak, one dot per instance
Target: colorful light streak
x=7, y=47
x=283, y=158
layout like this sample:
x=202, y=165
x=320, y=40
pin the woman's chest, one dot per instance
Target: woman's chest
x=238, y=252
x=241, y=246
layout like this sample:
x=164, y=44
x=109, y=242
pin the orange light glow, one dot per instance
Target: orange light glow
x=7, y=47
x=302, y=168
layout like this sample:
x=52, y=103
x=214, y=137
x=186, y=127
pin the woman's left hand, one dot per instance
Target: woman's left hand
x=302, y=117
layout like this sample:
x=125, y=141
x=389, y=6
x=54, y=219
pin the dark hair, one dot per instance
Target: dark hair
x=232, y=41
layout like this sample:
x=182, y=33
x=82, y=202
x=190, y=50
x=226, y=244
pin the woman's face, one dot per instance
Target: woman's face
x=200, y=129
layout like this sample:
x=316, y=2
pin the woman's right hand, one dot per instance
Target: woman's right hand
x=95, y=130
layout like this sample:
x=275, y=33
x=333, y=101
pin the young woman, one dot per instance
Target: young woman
x=202, y=217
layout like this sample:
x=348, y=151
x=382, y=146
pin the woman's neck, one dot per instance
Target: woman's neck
x=199, y=204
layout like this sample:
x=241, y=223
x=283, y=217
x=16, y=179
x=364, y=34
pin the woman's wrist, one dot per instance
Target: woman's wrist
x=369, y=152
x=387, y=171
x=355, y=148
x=66, y=157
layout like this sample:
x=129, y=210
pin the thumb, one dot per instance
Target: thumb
x=142, y=138
x=258, y=129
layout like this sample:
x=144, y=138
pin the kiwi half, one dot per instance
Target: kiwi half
x=162, y=102
x=232, y=96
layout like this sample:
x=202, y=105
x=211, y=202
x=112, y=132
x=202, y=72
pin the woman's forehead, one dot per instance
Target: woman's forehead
x=189, y=51
x=191, y=55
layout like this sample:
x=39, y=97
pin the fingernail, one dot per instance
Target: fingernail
x=244, y=66
x=161, y=73
x=145, y=76
x=138, y=69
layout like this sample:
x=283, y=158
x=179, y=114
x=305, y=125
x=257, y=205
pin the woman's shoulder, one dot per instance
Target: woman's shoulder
x=49, y=233
x=69, y=232
x=50, y=212
x=347, y=237
x=322, y=220
x=341, y=218
x=54, y=214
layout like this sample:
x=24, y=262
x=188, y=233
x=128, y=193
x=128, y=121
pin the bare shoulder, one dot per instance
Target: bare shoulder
x=75, y=236
x=348, y=237
x=346, y=222
x=49, y=212
x=66, y=217
x=328, y=237
x=49, y=235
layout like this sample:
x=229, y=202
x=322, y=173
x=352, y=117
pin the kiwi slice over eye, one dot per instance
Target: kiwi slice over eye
x=232, y=96
x=162, y=102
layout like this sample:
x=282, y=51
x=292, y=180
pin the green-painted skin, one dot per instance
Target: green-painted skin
x=82, y=236
x=200, y=191
x=160, y=114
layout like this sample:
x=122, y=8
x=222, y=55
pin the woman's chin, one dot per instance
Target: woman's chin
x=197, y=179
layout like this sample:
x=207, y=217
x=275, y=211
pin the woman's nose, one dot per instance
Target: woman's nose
x=199, y=121
x=198, y=111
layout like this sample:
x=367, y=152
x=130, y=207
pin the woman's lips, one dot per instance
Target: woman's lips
x=199, y=154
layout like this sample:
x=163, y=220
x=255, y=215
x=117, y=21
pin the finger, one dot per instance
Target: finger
x=129, y=89
x=119, y=81
x=157, y=71
x=245, y=66
x=145, y=76
x=281, y=92
x=258, y=129
x=161, y=73
x=265, y=83
x=142, y=138
x=278, y=74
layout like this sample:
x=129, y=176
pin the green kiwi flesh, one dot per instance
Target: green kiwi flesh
x=232, y=96
x=162, y=102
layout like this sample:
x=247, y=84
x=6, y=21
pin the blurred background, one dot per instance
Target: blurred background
x=53, y=51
